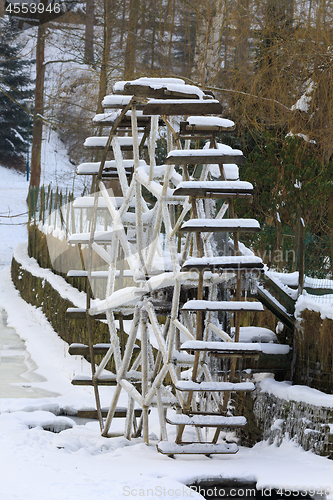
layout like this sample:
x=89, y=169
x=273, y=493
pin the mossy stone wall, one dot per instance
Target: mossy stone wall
x=274, y=419
x=40, y=293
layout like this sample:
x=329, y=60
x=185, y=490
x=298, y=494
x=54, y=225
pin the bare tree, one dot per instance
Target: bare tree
x=129, y=61
x=89, y=32
x=39, y=109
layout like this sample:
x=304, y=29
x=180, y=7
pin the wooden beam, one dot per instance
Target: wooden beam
x=191, y=107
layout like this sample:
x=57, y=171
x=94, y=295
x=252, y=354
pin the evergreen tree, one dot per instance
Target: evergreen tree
x=15, y=89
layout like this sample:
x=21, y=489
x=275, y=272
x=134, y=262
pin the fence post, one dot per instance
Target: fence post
x=279, y=246
x=301, y=257
x=42, y=204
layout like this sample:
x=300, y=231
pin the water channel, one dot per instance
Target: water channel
x=17, y=369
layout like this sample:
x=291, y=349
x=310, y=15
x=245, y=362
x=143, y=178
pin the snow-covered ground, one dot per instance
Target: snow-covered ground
x=77, y=463
x=47, y=454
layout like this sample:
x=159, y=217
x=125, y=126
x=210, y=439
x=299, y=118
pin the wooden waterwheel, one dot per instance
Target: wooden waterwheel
x=171, y=268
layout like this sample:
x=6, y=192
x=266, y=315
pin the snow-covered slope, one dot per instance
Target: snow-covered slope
x=13, y=212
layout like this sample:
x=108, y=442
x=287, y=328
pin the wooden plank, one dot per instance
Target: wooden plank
x=204, y=159
x=100, y=143
x=275, y=307
x=224, y=349
x=167, y=448
x=118, y=101
x=223, y=305
x=120, y=412
x=147, y=91
x=213, y=267
x=109, y=121
x=214, y=189
x=234, y=355
x=233, y=263
x=83, y=274
x=89, y=201
x=109, y=118
x=126, y=273
x=101, y=237
x=188, y=385
x=78, y=313
x=211, y=189
x=258, y=347
x=107, y=173
x=124, y=147
x=110, y=167
x=212, y=193
x=221, y=225
x=187, y=129
x=207, y=421
x=110, y=380
x=83, y=350
x=191, y=107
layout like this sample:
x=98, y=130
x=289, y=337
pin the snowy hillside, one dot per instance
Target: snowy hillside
x=56, y=169
x=13, y=212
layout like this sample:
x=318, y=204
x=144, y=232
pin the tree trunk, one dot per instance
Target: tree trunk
x=243, y=35
x=122, y=26
x=108, y=9
x=153, y=44
x=301, y=266
x=279, y=247
x=297, y=238
x=39, y=109
x=330, y=225
x=129, y=68
x=89, y=33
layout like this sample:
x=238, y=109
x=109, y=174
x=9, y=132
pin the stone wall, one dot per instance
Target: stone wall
x=274, y=419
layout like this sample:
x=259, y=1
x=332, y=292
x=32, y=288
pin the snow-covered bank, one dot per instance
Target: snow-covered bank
x=299, y=393
x=307, y=302
x=57, y=282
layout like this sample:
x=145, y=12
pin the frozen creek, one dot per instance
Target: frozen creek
x=17, y=369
